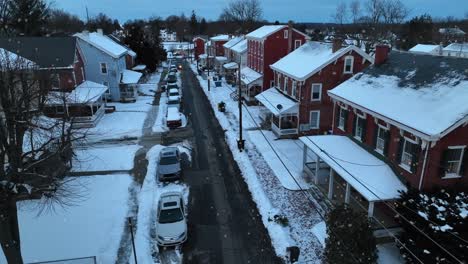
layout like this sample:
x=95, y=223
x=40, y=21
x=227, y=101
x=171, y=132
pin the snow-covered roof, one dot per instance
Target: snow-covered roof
x=220, y=38
x=310, y=58
x=173, y=113
x=233, y=42
x=265, y=31
x=452, y=31
x=457, y=47
x=240, y=47
x=426, y=48
x=249, y=76
x=86, y=92
x=129, y=77
x=103, y=43
x=131, y=53
x=231, y=65
x=277, y=102
x=174, y=98
x=140, y=67
x=426, y=95
x=367, y=174
x=12, y=60
x=221, y=58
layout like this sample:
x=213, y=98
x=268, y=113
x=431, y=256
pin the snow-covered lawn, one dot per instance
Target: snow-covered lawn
x=267, y=192
x=290, y=152
x=147, y=200
x=92, y=227
x=105, y=158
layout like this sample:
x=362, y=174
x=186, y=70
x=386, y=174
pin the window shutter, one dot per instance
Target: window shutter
x=387, y=142
x=416, y=149
x=443, y=163
x=346, y=112
x=364, y=130
x=400, y=149
x=355, y=125
x=464, y=163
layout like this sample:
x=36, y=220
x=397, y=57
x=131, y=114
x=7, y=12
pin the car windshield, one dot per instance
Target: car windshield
x=170, y=216
x=173, y=102
x=168, y=160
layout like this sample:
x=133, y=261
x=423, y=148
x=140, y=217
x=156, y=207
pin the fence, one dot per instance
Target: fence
x=85, y=260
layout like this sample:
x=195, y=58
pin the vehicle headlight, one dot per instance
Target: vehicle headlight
x=181, y=235
x=160, y=237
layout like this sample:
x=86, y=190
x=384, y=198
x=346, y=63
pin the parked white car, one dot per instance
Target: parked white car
x=174, y=101
x=174, y=92
x=173, y=117
x=171, y=226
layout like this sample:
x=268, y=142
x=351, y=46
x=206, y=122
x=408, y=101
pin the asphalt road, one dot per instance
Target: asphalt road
x=224, y=223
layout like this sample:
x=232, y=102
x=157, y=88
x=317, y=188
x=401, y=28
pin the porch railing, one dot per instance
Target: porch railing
x=283, y=132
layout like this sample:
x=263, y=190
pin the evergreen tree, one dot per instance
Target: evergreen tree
x=203, y=26
x=193, y=24
x=28, y=17
x=349, y=233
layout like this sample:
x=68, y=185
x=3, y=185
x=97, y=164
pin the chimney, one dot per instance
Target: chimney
x=381, y=54
x=290, y=36
x=337, y=44
x=99, y=31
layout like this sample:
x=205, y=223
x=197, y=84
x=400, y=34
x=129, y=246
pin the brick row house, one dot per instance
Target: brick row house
x=265, y=46
x=199, y=45
x=402, y=123
x=298, y=102
x=234, y=56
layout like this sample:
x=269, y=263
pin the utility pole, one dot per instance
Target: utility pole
x=240, y=141
x=208, y=63
x=87, y=15
x=133, y=239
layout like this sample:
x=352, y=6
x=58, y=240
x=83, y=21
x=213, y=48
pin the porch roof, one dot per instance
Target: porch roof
x=249, y=76
x=86, y=93
x=367, y=174
x=277, y=102
x=130, y=77
x=221, y=59
x=230, y=66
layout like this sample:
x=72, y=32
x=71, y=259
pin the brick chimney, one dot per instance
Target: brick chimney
x=381, y=54
x=337, y=44
x=290, y=36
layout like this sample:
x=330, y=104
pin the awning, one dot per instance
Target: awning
x=85, y=93
x=277, y=103
x=249, y=76
x=203, y=56
x=367, y=174
x=130, y=77
x=230, y=66
x=140, y=67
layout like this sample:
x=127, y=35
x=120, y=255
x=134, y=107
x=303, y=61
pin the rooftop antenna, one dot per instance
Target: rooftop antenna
x=87, y=15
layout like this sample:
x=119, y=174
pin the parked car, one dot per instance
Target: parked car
x=173, y=92
x=171, y=226
x=171, y=78
x=174, y=101
x=172, y=85
x=173, y=118
x=169, y=164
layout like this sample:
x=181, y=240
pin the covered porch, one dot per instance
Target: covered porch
x=230, y=72
x=251, y=82
x=284, y=112
x=204, y=62
x=129, y=85
x=347, y=173
x=219, y=63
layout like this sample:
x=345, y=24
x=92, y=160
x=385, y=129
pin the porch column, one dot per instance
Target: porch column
x=92, y=110
x=304, y=157
x=279, y=123
x=330, y=184
x=348, y=193
x=370, y=212
x=317, y=168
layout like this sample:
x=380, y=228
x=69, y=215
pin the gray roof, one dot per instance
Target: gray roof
x=47, y=52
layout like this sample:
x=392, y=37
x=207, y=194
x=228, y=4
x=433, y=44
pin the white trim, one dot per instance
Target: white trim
x=286, y=33
x=405, y=167
x=352, y=64
x=387, y=127
x=451, y=176
x=363, y=115
x=380, y=151
x=411, y=140
x=297, y=41
x=312, y=92
x=356, y=126
x=285, y=84
x=318, y=119
x=457, y=147
x=460, y=161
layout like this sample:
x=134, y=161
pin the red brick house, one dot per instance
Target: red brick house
x=216, y=48
x=199, y=44
x=265, y=46
x=301, y=81
x=411, y=111
x=58, y=58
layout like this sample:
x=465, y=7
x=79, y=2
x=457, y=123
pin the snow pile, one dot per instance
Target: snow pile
x=91, y=227
x=320, y=231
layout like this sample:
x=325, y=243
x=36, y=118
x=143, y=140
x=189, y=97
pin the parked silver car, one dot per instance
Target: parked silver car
x=169, y=164
x=171, y=226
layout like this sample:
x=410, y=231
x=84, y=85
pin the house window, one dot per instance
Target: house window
x=104, y=68
x=342, y=118
x=453, y=161
x=286, y=34
x=294, y=88
x=348, y=65
x=59, y=109
x=316, y=92
x=314, y=119
x=297, y=43
x=408, y=154
x=381, y=140
x=359, y=128
x=285, y=84
x=278, y=81
x=272, y=83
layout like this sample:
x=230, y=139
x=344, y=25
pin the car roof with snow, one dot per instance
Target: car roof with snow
x=170, y=200
x=174, y=98
x=173, y=90
x=173, y=113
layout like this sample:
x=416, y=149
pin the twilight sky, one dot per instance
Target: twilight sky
x=282, y=10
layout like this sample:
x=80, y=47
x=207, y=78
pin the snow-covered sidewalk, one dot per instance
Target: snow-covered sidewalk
x=267, y=191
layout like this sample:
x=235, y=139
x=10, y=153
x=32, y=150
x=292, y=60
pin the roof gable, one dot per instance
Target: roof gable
x=104, y=43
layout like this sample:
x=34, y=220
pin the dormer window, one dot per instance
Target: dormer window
x=348, y=64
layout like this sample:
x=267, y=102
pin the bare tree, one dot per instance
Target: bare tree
x=355, y=10
x=375, y=10
x=244, y=12
x=35, y=151
x=394, y=11
x=341, y=13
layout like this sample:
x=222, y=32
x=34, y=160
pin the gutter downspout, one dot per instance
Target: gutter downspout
x=424, y=166
x=333, y=117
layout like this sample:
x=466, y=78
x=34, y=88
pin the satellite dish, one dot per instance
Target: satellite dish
x=279, y=106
